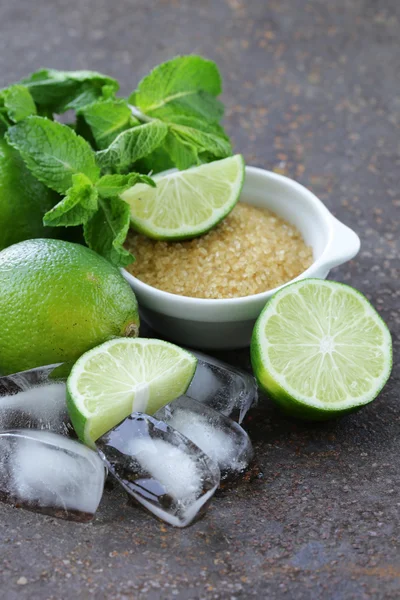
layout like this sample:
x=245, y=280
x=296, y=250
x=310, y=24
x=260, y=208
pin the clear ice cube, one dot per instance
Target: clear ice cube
x=34, y=399
x=223, y=440
x=161, y=469
x=51, y=474
x=225, y=388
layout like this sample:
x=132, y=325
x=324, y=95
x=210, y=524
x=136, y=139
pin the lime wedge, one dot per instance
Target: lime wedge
x=320, y=349
x=188, y=203
x=122, y=376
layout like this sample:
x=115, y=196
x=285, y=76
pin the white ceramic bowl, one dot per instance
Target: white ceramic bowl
x=228, y=324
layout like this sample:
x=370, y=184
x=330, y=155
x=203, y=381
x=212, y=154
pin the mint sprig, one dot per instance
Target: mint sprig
x=183, y=94
x=172, y=119
x=66, y=163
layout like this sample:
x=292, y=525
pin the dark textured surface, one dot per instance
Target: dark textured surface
x=312, y=90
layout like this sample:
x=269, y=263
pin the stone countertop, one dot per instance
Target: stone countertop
x=312, y=91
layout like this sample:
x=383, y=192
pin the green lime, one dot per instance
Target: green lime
x=188, y=203
x=320, y=349
x=122, y=376
x=23, y=200
x=58, y=300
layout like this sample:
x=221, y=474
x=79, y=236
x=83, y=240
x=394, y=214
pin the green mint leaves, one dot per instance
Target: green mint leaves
x=58, y=91
x=16, y=104
x=174, y=110
x=79, y=204
x=183, y=94
x=131, y=145
x=107, y=119
x=188, y=146
x=185, y=85
x=53, y=152
x=66, y=163
x=106, y=231
x=111, y=186
x=171, y=120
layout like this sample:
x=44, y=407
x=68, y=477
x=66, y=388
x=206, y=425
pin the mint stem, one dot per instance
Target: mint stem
x=139, y=115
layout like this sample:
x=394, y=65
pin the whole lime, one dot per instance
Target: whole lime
x=23, y=200
x=58, y=300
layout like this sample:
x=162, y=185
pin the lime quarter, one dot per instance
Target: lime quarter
x=320, y=349
x=122, y=376
x=186, y=204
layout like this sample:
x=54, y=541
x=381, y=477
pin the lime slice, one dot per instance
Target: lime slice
x=319, y=349
x=186, y=204
x=122, y=376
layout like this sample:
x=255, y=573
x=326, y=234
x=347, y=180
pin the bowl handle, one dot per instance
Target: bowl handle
x=344, y=245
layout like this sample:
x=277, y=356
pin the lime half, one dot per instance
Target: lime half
x=320, y=349
x=188, y=203
x=122, y=376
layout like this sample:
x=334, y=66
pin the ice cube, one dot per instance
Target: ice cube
x=51, y=474
x=223, y=440
x=225, y=388
x=33, y=399
x=10, y=384
x=160, y=468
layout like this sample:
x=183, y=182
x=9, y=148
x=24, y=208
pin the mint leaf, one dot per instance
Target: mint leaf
x=4, y=120
x=155, y=162
x=187, y=146
x=110, y=186
x=106, y=231
x=17, y=102
x=185, y=85
x=53, y=152
x=58, y=91
x=107, y=120
x=108, y=91
x=131, y=145
x=183, y=152
x=3, y=123
x=201, y=124
x=79, y=204
x=82, y=128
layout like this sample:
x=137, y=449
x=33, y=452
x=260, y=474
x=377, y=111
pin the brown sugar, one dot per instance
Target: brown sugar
x=250, y=251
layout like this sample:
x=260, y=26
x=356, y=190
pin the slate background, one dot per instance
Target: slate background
x=312, y=91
